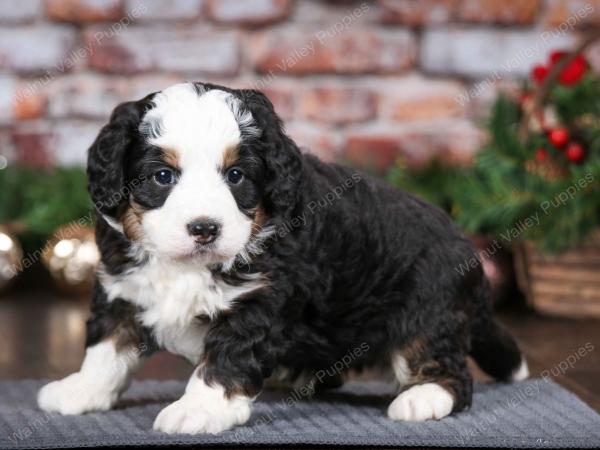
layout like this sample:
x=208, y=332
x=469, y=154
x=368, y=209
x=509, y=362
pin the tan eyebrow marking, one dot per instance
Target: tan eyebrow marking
x=230, y=156
x=171, y=157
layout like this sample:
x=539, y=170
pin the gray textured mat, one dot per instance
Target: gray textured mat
x=534, y=413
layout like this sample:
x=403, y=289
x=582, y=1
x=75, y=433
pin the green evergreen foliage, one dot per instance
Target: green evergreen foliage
x=509, y=192
x=40, y=201
x=435, y=182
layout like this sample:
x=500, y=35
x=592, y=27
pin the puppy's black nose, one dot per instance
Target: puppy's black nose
x=205, y=231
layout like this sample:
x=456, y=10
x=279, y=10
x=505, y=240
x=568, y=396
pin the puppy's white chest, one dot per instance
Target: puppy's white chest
x=172, y=296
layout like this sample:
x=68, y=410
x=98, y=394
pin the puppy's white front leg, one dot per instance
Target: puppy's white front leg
x=203, y=409
x=104, y=374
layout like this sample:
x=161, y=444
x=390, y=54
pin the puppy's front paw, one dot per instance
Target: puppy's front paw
x=75, y=395
x=422, y=402
x=190, y=415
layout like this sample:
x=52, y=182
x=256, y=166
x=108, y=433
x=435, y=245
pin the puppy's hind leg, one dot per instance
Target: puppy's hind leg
x=433, y=384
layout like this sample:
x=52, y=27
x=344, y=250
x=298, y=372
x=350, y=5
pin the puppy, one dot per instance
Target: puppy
x=222, y=243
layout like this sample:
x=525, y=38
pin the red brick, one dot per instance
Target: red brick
x=330, y=12
x=184, y=10
x=27, y=106
x=248, y=13
x=374, y=152
x=282, y=99
x=454, y=141
x=426, y=12
x=417, y=98
x=510, y=12
x=35, y=49
x=351, y=51
x=315, y=140
x=84, y=10
x=32, y=147
x=44, y=144
x=21, y=11
x=417, y=13
x=180, y=50
x=569, y=14
x=337, y=106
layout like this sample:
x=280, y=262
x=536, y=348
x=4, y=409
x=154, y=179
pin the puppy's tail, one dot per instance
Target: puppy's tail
x=492, y=347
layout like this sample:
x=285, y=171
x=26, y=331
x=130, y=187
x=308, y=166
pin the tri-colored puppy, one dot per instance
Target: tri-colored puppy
x=222, y=243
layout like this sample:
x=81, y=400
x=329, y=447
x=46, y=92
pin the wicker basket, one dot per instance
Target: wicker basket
x=566, y=284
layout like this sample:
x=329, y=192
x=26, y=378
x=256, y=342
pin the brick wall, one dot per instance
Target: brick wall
x=356, y=81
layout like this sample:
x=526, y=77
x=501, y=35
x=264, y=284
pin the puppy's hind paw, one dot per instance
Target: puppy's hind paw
x=421, y=402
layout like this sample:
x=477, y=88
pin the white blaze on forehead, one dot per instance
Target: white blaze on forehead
x=198, y=126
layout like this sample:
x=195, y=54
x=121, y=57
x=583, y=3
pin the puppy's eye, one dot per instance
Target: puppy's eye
x=234, y=175
x=164, y=176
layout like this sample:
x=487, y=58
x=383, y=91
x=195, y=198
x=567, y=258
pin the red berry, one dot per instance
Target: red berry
x=541, y=154
x=580, y=59
x=539, y=73
x=575, y=153
x=573, y=72
x=559, y=136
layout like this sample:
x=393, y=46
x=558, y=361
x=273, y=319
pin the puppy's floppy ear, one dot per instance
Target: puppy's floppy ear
x=106, y=158
x=282, y=158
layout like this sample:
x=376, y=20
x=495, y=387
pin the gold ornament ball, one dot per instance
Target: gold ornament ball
x=71, y=257
x=10, y=257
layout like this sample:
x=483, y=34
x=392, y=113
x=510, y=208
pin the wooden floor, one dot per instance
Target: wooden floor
x=568, y=351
